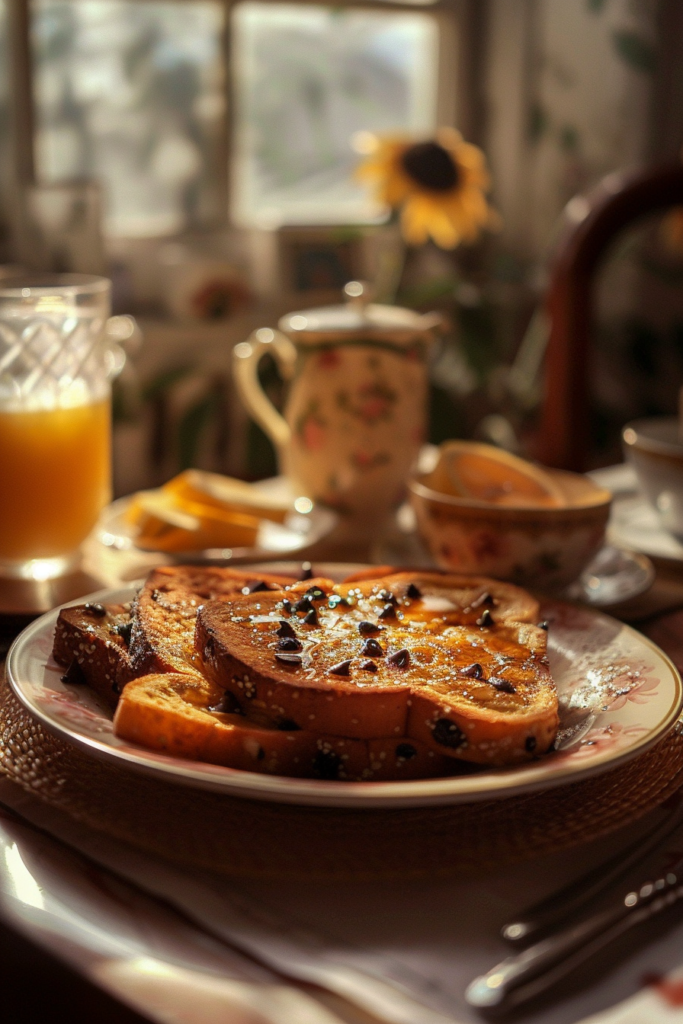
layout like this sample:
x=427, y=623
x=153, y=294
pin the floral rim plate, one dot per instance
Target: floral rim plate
x=619, y=694
x=274, y=540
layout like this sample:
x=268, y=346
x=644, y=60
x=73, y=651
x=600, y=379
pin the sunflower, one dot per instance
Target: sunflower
x=439, y=185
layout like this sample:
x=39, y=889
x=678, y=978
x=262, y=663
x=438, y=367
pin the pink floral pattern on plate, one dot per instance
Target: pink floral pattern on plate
x=618, y=694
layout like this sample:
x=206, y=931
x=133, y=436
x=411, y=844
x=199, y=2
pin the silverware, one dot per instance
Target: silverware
x=527, y=974
x=547, y=913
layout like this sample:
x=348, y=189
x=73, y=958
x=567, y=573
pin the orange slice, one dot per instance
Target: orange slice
x=468, y=469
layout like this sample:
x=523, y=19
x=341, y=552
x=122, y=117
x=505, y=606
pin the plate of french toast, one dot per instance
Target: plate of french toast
x=353, y=686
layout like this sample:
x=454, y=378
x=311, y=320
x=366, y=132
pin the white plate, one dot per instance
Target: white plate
x=619, y=694
x=274, y=540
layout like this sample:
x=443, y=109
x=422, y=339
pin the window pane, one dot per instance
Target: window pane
x=132, y=94
x=307, y=79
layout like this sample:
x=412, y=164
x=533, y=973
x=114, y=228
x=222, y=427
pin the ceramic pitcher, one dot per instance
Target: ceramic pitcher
x=355, y=414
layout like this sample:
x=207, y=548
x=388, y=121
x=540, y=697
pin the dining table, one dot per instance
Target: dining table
x=94, y=927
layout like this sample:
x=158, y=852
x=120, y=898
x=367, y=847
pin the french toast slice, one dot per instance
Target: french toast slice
x=165, y=609
x=91, y=642
x=440, y=658
x=185, y=715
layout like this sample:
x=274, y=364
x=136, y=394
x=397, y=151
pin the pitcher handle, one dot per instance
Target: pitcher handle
x=245, y=361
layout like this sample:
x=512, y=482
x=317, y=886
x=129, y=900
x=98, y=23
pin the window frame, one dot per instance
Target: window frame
x=454, y=19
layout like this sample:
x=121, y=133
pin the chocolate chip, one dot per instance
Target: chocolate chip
x=485, y=619
x=287, y=606
x=366, y=628
x=74, y=674
x=341, y=669
x=369, y=666
x=386, y=595
x=284, y=629
x=304, y=605
x=544, y=625
x=400, y=659
x=372, y=649
x=315, y=594
x=474, y=671
x=306, y=571
x=406, y=750
x=413, y=591
x=96, y=609
x=336, y=600
x=288, y=659
x=288, y=725
x=261, y=754
x=530, y=744
x=124, y=630
x=484, y=598
x=289, y=643
x=388, y=612
x=311, y=618
x=228, y=705
x=116, y=688
x=448, y=734
x=503, y=685
x=326, y=765
x=254, y=587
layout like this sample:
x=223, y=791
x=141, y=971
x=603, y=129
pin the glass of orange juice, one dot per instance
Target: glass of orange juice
x=55, y=420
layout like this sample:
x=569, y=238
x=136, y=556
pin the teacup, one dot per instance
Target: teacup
x=655, y=450
x=545, y=548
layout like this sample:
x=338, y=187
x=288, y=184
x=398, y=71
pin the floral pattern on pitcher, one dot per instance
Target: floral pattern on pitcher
x=371, y=402
x=358, y=417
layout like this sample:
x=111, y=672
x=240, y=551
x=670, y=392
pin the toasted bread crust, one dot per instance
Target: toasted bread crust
x=89, y=639
x=170, y=712
x=165, y=609
x=511, y=603
x=475, y=685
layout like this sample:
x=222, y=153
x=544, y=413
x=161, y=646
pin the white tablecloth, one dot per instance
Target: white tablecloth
x=403, y=952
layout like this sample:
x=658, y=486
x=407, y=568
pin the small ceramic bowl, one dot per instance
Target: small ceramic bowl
x=544, y=548
x=655, y=450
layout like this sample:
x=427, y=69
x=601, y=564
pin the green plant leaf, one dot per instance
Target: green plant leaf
x=165, y=381
x=191, y=427
x=635, y=51
x=538, y=122
x=569, y=138
x=595, y=6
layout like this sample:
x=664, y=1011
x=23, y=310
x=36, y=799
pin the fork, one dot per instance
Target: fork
x=547, y=913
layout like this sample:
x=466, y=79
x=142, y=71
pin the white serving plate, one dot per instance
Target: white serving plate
x=274, y=540
x=619, y=694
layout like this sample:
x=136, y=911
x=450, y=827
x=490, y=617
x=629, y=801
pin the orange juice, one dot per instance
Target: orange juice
x=55, y=478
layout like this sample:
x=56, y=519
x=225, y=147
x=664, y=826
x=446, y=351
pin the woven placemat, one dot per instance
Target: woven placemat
x=251, y=838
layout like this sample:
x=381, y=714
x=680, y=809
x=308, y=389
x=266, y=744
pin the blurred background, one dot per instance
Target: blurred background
x=201, y=154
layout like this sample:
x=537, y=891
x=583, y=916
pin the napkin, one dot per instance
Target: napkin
x=402, y=951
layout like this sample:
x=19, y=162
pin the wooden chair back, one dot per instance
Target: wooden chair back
x=591, y=222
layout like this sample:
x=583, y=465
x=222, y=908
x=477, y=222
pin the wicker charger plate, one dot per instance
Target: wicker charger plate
x=242, y=837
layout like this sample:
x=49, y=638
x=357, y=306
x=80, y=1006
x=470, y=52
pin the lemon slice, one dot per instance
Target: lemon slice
x=468, y=469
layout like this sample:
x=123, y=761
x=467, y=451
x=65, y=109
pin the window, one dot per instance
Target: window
x=136, y=94
x=133, y=94
x=307, y=81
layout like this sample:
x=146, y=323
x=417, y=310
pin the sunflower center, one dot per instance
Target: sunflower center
x=431, y=166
